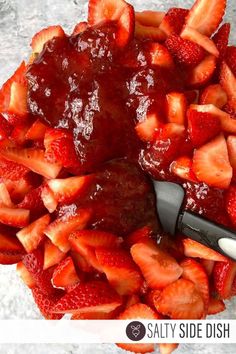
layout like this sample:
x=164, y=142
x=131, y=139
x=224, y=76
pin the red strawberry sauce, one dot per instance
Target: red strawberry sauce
x=99, y=92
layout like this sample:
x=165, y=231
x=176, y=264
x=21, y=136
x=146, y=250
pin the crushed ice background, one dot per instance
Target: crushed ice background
x=19, y=20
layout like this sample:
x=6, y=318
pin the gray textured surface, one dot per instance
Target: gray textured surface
x=19, y=20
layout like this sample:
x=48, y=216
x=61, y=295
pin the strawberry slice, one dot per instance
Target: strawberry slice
x=231, y=203
x=5, y=128
x=34, y=203
x=146, y=130
x=167, y=348
x=221, y=39
x=32, y=235
x=160, y=56
x=18, y=99
x=230, y=58
x=132, y=300
x=85, y=242
x=223, y=275
x=52, y=254
x=119, y=11
x=214, y=94
x=208, y=266
x=180, y=300
x=140, y=235
x=14, y=217
x=45, y=35
x=48, y=199
x=203, y=72
x=5, y=198
x=25, y=275
x=149, y=18
x=93, y=297
x=173, y=21
x=182, y=167
x=140, y=312
x=11, y=170
x=149, y=32
x=193, y=35
x=46, y=303
x=10, y=244
x=211, y=163
x=79, y=28
x=228, y=81
x=205, y=17
x=176, y=107
x=33, y=159
x=60, y=229
x=81, y=263
x=36, y=131
x=194, y=271
x=231, y=144
x=10, y=257
x=215, y=306
x=65, y=274
x=197, y=250
x=121, y=271
x=202, y=127
x=185, y=52
x=157, y=266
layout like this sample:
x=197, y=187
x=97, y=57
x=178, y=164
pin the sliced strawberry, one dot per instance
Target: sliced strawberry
x=18, y=99
x=180, y=300
x=25, y=275
x=185, y=52
x=230, y=58
x=211, y=163
x=132, y=300
x=81, y=263
x=149, y=32
x=197, y=250
x=46, y=303
x=157, y=266
x=32, y=235
x=214, y=94
x=65, y=274
x=52, y=254
x=221, y=39
x=36, y=131
x=79, y=28
x=202, y=127
x=160, y=56
x=208, y=266
x=215, y=306
x=18, y=189
x=87, y=241
x=34, y=203
x=5, y=198
x=33, y=159
x=173, y=21
x=10, y=257
x=194, y=271
x=93, y=297
x=10, y=244
x=11, y=170
x=231, y=145
x=146, y=129
x=60, y=229
x=231, y=203
x=149, y=18
x=5, y=128
x=205, y=17
x=223, y=275
x=182, y=167
x=203, y=72
x=118, y=11
x=121, y=271
x=18, y=134
x=48, y=199
x=176, y=107
x=139, y=312
x=42, y=37
x=14, y=217
x=139, y=235
x=69, y=189
x=167, y=348
x=228, y=81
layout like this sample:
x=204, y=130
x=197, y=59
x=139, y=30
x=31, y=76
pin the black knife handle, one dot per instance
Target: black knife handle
x=212, y=235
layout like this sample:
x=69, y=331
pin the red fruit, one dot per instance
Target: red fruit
x=14, y=217
x=194, y=271
x=214, y=94
x=139, y=235
x=32, y=235
x=11, y=170
x=176, y=107
x=5, y=128
x=93, y=297
x=146, y=130
x=231, y=145
x=231, y=203
x=223, y=275
x=36, y=131
x=211, y=163
x=48, y=199
x=149, y=32
x=79, y=28
x=149, y=18
x=203, y=72
x=5, y=198
x=182, y=167
x=206, y=16
x=215, y=306
x=113, y=10
x=18, y=99
x=10, y=257
x=157, y=266
x=52, y=254
x=139, y=312
x=33, y=159
x=180, y=300
x=202, y=127
x=18, y=189
x=208, y=266
x=185, y=52
x=81, y=263
x=230, y=58
x=65, y=274
x=25, y=275
x=167, y=348
x=46, y=303
x=42, y=37
x=197, y=250
x=173, y=21
x=34, y=203
x=228, y=81
x=160, y=56
x=221, y=39
x=121, y=271
x=85, y=242
x=10, y=244
x=60, y=229
x=132, y=300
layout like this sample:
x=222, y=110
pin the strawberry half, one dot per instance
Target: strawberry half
x=221, y=39
x=157, y=266
x=52, y=254
x=146, y=130
x=173, y=21
x=215, y=306
x=202, y=73
x=223, y=275
x=197, y=250
x=121, y=271
x=93, y=297
x=211, y=163
x=46, y=303
x=176, y=107
x=42, y=37
x=65, y=274
x=119, y=11
x=206, y=16
x=180, y=300
x=214, y=94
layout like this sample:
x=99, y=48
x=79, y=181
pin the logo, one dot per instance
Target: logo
x=135, y=331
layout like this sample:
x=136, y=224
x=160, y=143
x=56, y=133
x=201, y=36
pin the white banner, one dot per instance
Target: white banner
x=117, y=331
